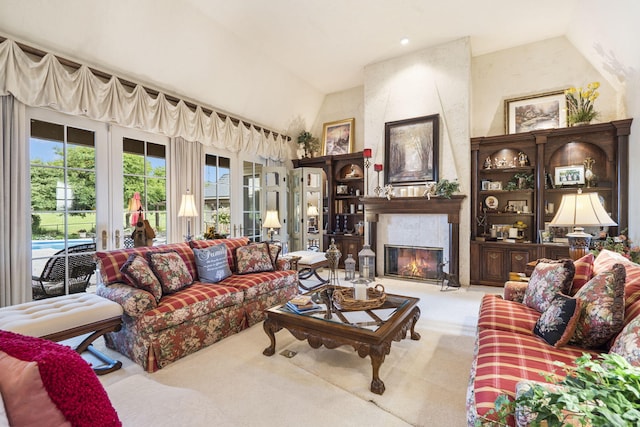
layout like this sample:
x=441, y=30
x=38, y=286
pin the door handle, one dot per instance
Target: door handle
x=104, y=240
x=117, y=238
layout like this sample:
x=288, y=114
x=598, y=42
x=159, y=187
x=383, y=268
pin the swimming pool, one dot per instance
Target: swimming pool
x=56, y=244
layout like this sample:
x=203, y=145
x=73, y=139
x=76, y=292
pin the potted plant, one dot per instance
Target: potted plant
x=595, y=392
x=580, y=104
x=309, y=143
x=82, y=233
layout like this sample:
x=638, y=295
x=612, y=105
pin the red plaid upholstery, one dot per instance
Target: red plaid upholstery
x=190, y=303
x=232, y=244
x=505, y=358
x=496, y=313
x=584, y=272
x=255, y=284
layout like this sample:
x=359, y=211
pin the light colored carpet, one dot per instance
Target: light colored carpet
x=238, y=386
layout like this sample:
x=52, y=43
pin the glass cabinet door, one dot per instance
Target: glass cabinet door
x=306, y=226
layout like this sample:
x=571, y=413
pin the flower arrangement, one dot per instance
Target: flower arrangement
x=621, y=244
x=580, y=103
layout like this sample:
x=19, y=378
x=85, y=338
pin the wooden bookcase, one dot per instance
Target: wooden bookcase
x=498, y=196
x=343, y=209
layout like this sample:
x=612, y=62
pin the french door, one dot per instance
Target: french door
x=81, y=174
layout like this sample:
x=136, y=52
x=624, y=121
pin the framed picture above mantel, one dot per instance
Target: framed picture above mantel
x=411, y=150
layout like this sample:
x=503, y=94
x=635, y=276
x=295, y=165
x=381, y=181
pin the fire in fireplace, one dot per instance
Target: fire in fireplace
x=413, y=262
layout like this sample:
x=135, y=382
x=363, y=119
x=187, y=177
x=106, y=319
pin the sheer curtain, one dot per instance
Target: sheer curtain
x=186, y=169
x=15, y=223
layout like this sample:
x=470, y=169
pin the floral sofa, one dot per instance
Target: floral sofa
x=178, y=298
x=566, y=309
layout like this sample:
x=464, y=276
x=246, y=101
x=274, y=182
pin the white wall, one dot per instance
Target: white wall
x=343, y=105
x=432, y=81
x=535, y=68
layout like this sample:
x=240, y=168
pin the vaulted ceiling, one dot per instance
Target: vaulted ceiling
x=270, y=61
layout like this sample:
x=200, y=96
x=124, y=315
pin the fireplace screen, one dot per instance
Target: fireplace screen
x=413, y=262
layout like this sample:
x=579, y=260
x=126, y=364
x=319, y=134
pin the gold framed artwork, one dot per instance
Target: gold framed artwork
x=337, y=137
x=544, y=111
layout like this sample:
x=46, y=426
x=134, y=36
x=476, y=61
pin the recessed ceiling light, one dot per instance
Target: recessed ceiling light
x=404, y=41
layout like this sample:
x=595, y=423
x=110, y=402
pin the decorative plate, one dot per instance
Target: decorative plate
x=491, y=202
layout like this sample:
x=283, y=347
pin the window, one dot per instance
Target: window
x=251, y=188
x=217, y=190
x=144, y=177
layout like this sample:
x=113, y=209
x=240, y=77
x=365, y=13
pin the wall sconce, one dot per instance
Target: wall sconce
x=578, y=211
x=188, y=210
x=271, y=221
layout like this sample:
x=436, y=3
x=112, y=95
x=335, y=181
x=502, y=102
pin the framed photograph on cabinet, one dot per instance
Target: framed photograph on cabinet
x=411, y=150
x=543, y=111
x=485, y=185
x=517, y=205
x=569, y=175
x=337, y=137
x=495, y=185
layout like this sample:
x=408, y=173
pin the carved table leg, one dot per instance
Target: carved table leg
x=270, y=328
x=377, y=355
x=415, y=316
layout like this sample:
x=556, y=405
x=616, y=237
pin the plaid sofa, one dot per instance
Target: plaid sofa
x=507, y=352
x=156, y=333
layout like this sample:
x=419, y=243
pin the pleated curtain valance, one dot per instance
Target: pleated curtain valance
x=47, y=83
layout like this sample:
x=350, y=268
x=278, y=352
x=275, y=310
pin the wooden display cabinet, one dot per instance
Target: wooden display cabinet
x=514, y=182
x=343, y=210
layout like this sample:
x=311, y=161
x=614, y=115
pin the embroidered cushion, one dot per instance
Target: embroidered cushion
x=627, y=343
x=253, y=258
x=212, y=263
x=232, y=244
x=584, y=272
x=602, y=314
x=548, y=278
x=170, y=270
x=558, y=322
x=139, y=273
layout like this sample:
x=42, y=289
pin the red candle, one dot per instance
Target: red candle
x=377, y=167
x=366, y=153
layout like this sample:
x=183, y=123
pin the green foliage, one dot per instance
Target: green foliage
x=514, y=182
x=620, y=244
x=446, y=188
x=309, y=142
x=598, y=393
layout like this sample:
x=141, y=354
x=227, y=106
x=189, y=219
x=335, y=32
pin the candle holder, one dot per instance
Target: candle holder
x=366, y=153
x=378, y=190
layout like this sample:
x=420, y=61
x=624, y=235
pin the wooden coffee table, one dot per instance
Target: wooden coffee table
x=369, y=332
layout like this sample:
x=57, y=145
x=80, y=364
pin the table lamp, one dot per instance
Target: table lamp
x=312, y=213
x=188, y=210
x=578, y=211
x=271, y=221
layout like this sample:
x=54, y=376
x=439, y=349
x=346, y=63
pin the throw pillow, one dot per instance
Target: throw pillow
x=212, y=263
x=170, y=270
x=253, y=258
x=43, y=382
x=606, y=259
x=138, y=271
x=627, y=343
x=558, y=322
x=602, y=314
x=549, y=278
x=584, y=272
x=274, y=251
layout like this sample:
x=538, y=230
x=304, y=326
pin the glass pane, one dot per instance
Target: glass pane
x=45, y=182
x=83, y=190
x=46, y=152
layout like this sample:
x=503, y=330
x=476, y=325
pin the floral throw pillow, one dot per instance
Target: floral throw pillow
x=253, y=258
x=170, y=270
x=549, y=278
x=212, y=263
x=584, y=272
x=274, y=251
x=627, y=343
x=138, y=271
x=558, y=322
x=602, y=314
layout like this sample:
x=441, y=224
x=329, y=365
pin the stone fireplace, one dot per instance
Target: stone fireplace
x=413, y=262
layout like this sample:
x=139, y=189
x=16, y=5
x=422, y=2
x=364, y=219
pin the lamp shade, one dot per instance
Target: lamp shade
x=188, y=206
x=271, y=220
x=312, y=210
x=581, y=209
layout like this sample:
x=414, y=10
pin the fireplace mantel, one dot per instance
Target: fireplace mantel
x=414, y=205
x=374, y=206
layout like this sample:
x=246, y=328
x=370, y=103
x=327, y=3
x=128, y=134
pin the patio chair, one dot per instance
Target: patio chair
x=51, y=282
